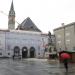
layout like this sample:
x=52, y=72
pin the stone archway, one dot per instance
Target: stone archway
x=32, y=52
x=24, y=52
x=16, y=51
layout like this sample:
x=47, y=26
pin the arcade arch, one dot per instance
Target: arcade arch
x=24, y=52
x=16, y=51
x=32, y=52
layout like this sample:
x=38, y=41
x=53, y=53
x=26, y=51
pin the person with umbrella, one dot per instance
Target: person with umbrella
x=65, y=61
x=65, y=57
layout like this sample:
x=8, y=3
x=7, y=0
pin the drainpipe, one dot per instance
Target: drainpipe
x=64, y=36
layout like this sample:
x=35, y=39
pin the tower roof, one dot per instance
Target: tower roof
x=12, y=7
x=12, y=12
x=28, y=25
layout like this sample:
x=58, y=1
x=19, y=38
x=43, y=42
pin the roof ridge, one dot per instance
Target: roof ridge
x=28, y=24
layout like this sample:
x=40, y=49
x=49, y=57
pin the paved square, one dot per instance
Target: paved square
x=33, y=67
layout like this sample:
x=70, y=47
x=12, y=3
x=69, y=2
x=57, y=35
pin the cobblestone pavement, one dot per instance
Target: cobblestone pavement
x=33, y=67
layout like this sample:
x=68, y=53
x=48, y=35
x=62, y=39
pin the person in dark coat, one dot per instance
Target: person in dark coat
x=66, y=64
x=13, y=57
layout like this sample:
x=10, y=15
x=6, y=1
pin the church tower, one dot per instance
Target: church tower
x=11, y=18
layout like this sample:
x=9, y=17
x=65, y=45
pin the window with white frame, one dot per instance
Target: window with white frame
x=58, y=36
x=58, y=42
x=67, y=41
x=67, y=34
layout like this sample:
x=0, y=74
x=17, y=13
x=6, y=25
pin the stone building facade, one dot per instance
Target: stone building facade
x=24, y=43
x=65, y=37
x=26, y=40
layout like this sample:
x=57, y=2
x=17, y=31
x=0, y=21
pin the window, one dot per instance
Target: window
x=54, y=49
x=68, y=41
x=58, y=42
x=8, y=53
x=67, y=34
x=73, y=48
x=0, y=53
x=50, y=49
x=58, y=36
x=45, y=49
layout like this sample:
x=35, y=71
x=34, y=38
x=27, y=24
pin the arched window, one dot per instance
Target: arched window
x=16, y=51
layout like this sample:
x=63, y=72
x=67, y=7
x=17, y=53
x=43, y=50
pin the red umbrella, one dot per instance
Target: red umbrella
x=65, y=56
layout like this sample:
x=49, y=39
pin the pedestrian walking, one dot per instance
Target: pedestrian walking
x=65, y=57
x=13, y=57
x=65, y=61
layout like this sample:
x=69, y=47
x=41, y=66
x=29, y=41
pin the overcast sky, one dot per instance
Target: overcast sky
x=46, y=14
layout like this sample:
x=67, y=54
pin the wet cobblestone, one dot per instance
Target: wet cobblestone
x=33, y=67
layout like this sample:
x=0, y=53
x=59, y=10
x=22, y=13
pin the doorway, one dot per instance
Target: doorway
x=16, y=51
x=32, y=52
x=24, y=52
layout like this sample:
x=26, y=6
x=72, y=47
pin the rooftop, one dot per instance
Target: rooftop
x=70, y=24
x=28, y=24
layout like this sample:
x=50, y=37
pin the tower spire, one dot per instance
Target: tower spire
x=12, y=12
x=12, y=7
x=11, y=17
